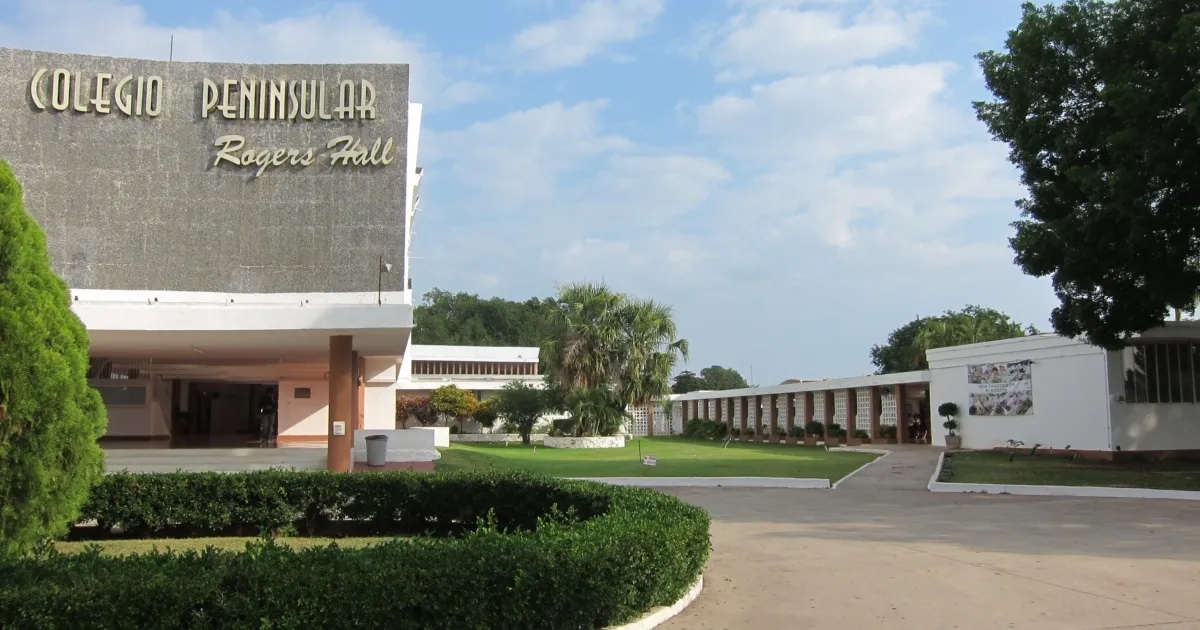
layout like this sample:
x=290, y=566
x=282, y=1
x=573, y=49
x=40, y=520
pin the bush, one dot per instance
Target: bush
x=861, y=434
x=526, y=552
x=50, y=420
x=836, y=431
x=887, y=432
x=701, y=429
x=814, y=428
x=796, y=432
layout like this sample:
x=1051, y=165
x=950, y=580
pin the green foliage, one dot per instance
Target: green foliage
x=861, y=434
x=887, y=432
x=529, y=552
x=711, y=378
x=701, y=429
x=906, y=346
x=949, y=410
x=485, y=413
x=595, y=411
x=465, y=319
x=521, y=405
x=814, y=428
x=1098, y=104
x=796, y=431
x=418, y=407
x=450, y=401
x=50, y=420
x=603, y=340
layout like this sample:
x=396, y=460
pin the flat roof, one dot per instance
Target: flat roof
x=515, y=354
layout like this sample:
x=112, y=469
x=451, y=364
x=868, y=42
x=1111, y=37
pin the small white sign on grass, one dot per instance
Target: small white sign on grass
x=650, y=460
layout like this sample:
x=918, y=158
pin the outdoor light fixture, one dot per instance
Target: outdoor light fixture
x=383, y=268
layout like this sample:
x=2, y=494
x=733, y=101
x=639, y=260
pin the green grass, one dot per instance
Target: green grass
x=1056, y=470
x=677, y=457
x=229, y=543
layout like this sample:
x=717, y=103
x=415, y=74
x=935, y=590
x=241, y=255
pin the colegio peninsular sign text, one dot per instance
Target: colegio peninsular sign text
x=294, y=101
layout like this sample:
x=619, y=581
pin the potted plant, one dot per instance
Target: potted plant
x=887, y=434
x=949, y=411
x=795, y=433
x=813, y=431
x=862, y=437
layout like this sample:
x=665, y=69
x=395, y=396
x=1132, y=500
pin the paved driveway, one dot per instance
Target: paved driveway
x=880, y=552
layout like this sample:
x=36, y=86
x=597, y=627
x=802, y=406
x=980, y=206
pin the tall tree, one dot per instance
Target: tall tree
x=717, y=378
x=603, y=340
x=1098, y=102
x=522, y=405
x=687, y=381
x=906, y=346
x=445, y=318
x=50, y=419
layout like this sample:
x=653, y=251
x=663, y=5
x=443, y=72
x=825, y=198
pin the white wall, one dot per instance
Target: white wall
x=1149, y=426
x=1070, y=396
x=147, y=420
x=304, y=416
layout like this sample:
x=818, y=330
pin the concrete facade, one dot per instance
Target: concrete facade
x=139, y=201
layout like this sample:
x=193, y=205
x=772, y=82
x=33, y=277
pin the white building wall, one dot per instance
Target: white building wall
x=305, y=417
x=1153, y=426
x=1070, y=394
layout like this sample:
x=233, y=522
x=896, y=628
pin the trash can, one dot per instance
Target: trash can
x=376, y=450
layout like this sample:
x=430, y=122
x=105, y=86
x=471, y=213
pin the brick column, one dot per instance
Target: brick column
x=830, y=403
x=851, y=413
x=901, y=394
x=683, y=414
x=730, y=405
x=809, y=409
x=774, y=402
x=704, y=413
x=790, y=402
x=339, y=455
x=876, y=411
x=745, y=414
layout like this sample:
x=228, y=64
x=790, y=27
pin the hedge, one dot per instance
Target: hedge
x=509, y=551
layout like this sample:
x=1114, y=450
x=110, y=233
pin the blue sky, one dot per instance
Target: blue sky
x=796, y=177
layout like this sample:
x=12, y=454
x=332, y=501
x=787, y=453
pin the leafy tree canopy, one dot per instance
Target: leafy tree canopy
x=711, y=378
x=906, y=346
x=50, y=419
x=1099, y=103
x=445, y=318
x=449, y=400
x=522, y=405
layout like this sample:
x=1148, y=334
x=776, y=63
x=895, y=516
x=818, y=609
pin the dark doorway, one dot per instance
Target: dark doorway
x=225, y=415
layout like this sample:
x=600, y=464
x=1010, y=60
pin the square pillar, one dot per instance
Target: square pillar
x=339, y=455
x=758, y=418
x=705, y=410
x=851, y=413
x=901, y=393
x=809, y=409
x=830, y=403
x=876, y=411
x=683, y=412
x=790, y=404
x=730, y=413
x=774, y=402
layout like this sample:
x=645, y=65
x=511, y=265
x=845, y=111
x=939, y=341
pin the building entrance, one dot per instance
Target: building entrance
x=225, y=415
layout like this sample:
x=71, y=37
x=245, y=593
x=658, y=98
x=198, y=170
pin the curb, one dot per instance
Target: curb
x=1096, y=492
x=659, y=615
x=712, y=482
x=853, y=449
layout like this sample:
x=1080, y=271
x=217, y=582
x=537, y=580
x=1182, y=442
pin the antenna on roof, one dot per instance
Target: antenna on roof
x=171, y=53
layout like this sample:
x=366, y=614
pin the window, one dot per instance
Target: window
x=1162, y=372
x=302, y=392
x=122, y=396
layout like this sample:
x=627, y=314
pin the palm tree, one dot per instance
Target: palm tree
x=650, y=349
x=603, y=340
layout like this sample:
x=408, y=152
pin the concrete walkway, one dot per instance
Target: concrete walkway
x=880, y=552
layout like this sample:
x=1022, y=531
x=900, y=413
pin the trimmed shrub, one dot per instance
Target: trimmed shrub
x=50, y=420
x=522, y=552
x=814, y=428
x=796, y=431
x=701, y=429
x=861, y=434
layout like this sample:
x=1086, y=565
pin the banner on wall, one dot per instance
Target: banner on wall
x=1000, y=389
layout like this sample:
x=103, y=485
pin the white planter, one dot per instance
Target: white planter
x=494, y=437
x=614, y=441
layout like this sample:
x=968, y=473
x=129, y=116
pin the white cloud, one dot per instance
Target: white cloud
x=573, y=40
x=797, y=36
x=337, y=33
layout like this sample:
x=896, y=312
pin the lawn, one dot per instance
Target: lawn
x=677, y=457
x=1056, y=470
x=230, y=543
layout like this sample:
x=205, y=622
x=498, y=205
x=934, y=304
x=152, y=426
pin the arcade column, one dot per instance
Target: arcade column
x=342, y=407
